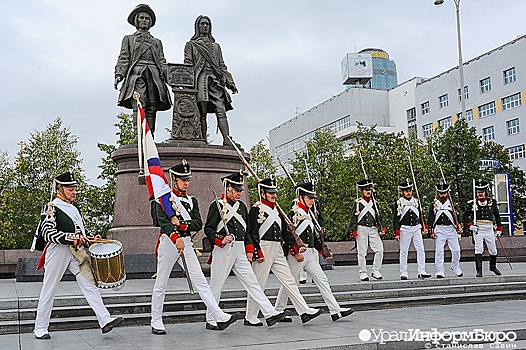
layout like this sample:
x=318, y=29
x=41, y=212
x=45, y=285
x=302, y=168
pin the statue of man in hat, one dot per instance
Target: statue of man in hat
x=142, y=67
x=212, y=77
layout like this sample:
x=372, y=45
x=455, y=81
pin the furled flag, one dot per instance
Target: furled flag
x=156, y=181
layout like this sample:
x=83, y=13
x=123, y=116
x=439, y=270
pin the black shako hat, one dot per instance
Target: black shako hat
x=269, y=184
x=365, y=184
x=481, y=185
x=442, y=187
x=406, y=185
x=306, y=189
x=141, y=8
x=181, y=171
x=235, y=180
x=66, y=179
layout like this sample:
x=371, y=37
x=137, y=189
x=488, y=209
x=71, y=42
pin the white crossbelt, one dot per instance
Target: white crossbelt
x=443, y=208
x=272, y=218
x=409, y=205
x=178, y=202
x=231, y=213
x=305, y=223
x=368, y=208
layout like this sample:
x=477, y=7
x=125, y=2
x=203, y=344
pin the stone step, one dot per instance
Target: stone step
x=72, y=312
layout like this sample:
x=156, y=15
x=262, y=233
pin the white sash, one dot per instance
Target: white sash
x=409, y=205
x=368, y=208
x=72, y=212
x=443, y=208
x=272, y=218
x=179, y=205
x=231, y=213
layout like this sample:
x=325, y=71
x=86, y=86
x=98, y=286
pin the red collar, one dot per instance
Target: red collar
x=367, y=199
x=178, y=193
x=267, y=203
x=303, y=206
x=228, y=199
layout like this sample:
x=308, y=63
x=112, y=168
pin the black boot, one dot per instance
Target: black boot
x=493, y=265
x=478, y=264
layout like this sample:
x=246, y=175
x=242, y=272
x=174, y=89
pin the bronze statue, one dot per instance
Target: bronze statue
x=212, y=76
x=142, y=67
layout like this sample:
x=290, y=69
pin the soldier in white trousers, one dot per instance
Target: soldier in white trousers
x=408, y=228
x=308, y=260
x=61, y=235
x=234, y=248
x=481, y=217
x=366, y=226
x=271, y=236
x=445, y=229
x=175, y=243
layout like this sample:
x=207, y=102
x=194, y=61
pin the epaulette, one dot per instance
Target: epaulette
x=257, y=204
x=470, y=201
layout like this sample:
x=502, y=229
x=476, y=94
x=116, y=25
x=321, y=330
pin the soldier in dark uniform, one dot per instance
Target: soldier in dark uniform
x=366, y=227
x=234, y=248
x=487, y=215
x=270, y=236
x=408, y=227
x=175, y=240
x=212, y=76
x=444, y=229
x=142, y=66
x=302, y=220
x=61, y=235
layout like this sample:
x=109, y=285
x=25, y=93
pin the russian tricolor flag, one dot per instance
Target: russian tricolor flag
x=156, y=181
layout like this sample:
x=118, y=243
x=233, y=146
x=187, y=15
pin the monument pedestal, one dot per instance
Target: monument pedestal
x=132, y=222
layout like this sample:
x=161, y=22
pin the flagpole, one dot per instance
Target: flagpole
x=141, y=179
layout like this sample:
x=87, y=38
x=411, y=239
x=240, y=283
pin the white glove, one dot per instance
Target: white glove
x=498, y=233
x=474, y=228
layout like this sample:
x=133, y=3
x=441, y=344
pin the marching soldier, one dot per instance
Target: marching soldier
x=297, y=260
x=480, y=217
x=61, y=236
x=268, y=232
x=407, y=226
x=175, y=243
x=366, y=226
x=234, y=248
x=445, y=230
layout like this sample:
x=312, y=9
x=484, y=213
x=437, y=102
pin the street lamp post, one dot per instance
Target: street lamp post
x=460, y=62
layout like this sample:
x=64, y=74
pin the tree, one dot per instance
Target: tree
x=44, y=156
x=262, y=163
x=98, y=201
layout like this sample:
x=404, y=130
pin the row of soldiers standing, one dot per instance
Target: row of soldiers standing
x=482, y=218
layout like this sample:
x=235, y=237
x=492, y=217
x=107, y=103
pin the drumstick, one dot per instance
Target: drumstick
x=101, y=240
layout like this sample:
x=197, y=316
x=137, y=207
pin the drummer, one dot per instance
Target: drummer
x=61, y=236
x=174, y=241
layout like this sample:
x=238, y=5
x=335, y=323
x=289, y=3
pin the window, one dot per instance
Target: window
x=469, y=115
x=511, y=101
x=488, y=133
x=445, y=123
x=516, y=152
x=509, y=76
x=513, y=126
x=425, y=107
x=466, y=94
x=485, y=85
x=487, y=109
x=443, y=101
x=411, y=119
x=427, y=129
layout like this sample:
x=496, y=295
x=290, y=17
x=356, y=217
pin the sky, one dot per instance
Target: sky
x=58, y=56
